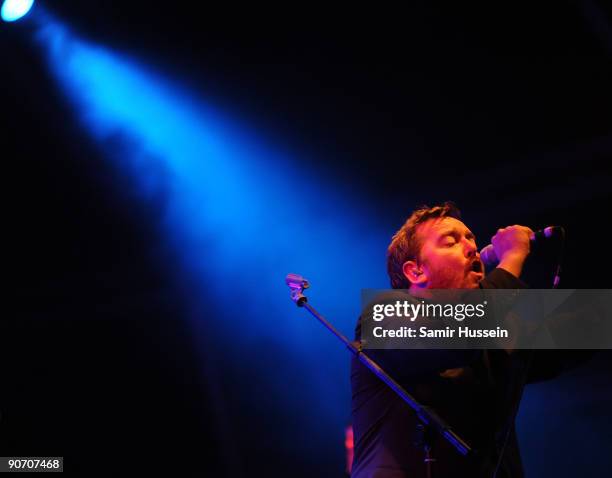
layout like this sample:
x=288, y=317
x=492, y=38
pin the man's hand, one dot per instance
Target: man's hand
x=511, y=246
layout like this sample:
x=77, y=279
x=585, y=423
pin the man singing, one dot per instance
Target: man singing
x=477, y=393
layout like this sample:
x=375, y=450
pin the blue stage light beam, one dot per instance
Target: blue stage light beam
x=13, y=10
x=240, y=215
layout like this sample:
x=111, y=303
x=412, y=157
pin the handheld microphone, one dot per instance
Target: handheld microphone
x=489, y=258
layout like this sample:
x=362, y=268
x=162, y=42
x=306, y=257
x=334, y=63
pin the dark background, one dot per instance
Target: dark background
x=509, y=106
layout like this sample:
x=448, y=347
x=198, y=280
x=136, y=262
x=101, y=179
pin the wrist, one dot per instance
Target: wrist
x=513, y=263
x=515, y=256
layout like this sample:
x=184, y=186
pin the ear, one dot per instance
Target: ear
x=413, y=273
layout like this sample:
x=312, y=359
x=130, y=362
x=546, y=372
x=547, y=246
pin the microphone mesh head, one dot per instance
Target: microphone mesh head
x=488, y=256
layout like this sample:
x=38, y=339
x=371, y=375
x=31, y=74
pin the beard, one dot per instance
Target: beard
x=452, y=278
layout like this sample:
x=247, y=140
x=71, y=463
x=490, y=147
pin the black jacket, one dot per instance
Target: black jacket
x=477, y=398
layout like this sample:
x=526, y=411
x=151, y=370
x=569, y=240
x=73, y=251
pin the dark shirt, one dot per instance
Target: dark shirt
x=476, y=392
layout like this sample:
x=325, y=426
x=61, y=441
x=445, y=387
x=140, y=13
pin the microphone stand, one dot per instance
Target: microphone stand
x=429, y=419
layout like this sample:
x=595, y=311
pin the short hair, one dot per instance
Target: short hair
x=406, y=245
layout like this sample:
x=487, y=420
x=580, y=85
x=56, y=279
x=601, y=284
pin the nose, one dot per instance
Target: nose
x=470, y=249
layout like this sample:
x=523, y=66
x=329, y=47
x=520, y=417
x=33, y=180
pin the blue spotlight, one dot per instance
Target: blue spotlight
x=228, y=208
x=13, y=10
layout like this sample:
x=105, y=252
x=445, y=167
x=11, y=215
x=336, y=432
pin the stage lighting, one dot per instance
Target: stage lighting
x=13, y=10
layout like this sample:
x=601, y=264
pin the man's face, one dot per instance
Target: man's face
x=449, y=258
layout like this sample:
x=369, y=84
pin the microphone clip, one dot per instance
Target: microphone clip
x=297, y=284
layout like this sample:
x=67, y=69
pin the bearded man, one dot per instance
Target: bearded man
x=476, y=392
